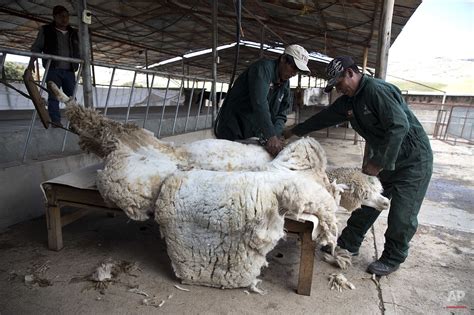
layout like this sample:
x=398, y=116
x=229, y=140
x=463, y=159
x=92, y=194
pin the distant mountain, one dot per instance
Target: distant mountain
x=455, y=76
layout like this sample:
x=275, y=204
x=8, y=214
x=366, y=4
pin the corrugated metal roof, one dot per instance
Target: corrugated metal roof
x=122, y=31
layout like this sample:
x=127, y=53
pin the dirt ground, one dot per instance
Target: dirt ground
x=437, y=277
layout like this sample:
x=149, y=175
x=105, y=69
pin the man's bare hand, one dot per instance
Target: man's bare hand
x=370, y=168
x=274, y=145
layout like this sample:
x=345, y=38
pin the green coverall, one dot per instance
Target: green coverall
x=256, y=105
x=397, y=143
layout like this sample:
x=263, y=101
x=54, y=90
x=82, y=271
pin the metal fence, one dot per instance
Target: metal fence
x=164, y=103
x=459, y=127
x=455, y=125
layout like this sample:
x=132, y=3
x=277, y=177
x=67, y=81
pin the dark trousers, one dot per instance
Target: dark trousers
x=406, y=186
x=64, y=79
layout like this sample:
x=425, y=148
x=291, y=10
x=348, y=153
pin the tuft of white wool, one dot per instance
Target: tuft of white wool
x=338, y=282
x=103, y=272
x=362, y=189
x=219, y=226
x=341, y=258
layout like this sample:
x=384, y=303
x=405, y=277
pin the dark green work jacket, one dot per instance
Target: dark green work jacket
x=380, y=115
x=256, y=105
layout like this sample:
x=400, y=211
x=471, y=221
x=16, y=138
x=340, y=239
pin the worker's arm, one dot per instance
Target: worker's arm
x=386, y=106
x=37, y=46
x=335, y=114
x=259, y=85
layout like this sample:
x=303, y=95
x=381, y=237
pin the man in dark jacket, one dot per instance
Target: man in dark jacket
x=257, y=103
x=58, y=38
x=399, y=153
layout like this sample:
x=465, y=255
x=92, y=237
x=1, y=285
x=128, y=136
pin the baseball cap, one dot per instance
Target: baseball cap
x=335, y=69
x=59, y=9
x=300, y=55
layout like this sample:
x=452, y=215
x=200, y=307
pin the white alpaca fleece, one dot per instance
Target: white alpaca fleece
x=219, y=226
x=136, y=162
x=133, y=173
x=362, y=189
x=131, y=178
x=224, y=155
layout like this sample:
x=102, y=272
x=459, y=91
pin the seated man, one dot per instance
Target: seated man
x=256, y=104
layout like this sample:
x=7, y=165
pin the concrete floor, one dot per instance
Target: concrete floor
x=437, y=277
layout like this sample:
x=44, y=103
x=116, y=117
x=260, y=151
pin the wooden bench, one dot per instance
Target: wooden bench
x=59, y=195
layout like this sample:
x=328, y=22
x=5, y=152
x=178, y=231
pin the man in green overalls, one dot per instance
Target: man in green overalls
x=398, y=152
x=256, y=104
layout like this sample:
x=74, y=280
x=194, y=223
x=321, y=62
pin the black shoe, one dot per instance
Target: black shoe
x=379, y=268
x=327, y=250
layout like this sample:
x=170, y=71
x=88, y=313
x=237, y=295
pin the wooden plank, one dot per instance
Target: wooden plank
x=293, y=226
x=71, y=217
x=53, y=222
x=305, y=278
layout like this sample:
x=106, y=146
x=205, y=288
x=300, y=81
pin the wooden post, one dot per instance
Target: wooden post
x=385, y=30
x=85, y=54
x=306, y=263
x=53, y=221
x=364, y=66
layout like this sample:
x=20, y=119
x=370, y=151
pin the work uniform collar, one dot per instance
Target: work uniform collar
x=276, y=81
x=362, y=83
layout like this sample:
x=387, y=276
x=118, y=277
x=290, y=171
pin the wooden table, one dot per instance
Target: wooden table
x=85, y=200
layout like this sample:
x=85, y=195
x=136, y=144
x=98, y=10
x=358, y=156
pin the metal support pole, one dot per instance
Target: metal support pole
x=297, y=109
x=200, y=105
x=148, y=99
x=108, y=92
x=214, y=59
x=364, y=66
x=76, y=85
x=385, y=31
x=443, y=101
x=189, y=106
x=131, y=95
x=262, y=39
x=2, y=62
x=177, y=105
x=93, y=74
x=146, y=66
x=33, y=117
x=163, y=109
x=85, y=54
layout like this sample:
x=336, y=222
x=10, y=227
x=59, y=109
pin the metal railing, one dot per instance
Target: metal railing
x=179, y=111
x=460, y=125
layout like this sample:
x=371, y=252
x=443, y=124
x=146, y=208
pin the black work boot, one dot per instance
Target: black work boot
x=379, y=268
x=327, y=250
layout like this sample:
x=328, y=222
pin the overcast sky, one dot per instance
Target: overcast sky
x=438, y=28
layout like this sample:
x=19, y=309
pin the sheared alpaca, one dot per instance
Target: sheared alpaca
x=219, y=226
x=147, y=177
x=136, y=162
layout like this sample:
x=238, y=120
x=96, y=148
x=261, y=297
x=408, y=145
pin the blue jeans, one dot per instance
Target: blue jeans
x=65, y=79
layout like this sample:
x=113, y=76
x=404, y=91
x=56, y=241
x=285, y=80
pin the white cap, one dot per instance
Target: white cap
x=300, y=55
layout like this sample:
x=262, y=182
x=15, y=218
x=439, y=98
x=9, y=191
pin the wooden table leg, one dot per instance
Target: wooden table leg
x=53, y=222
x=306, y=263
